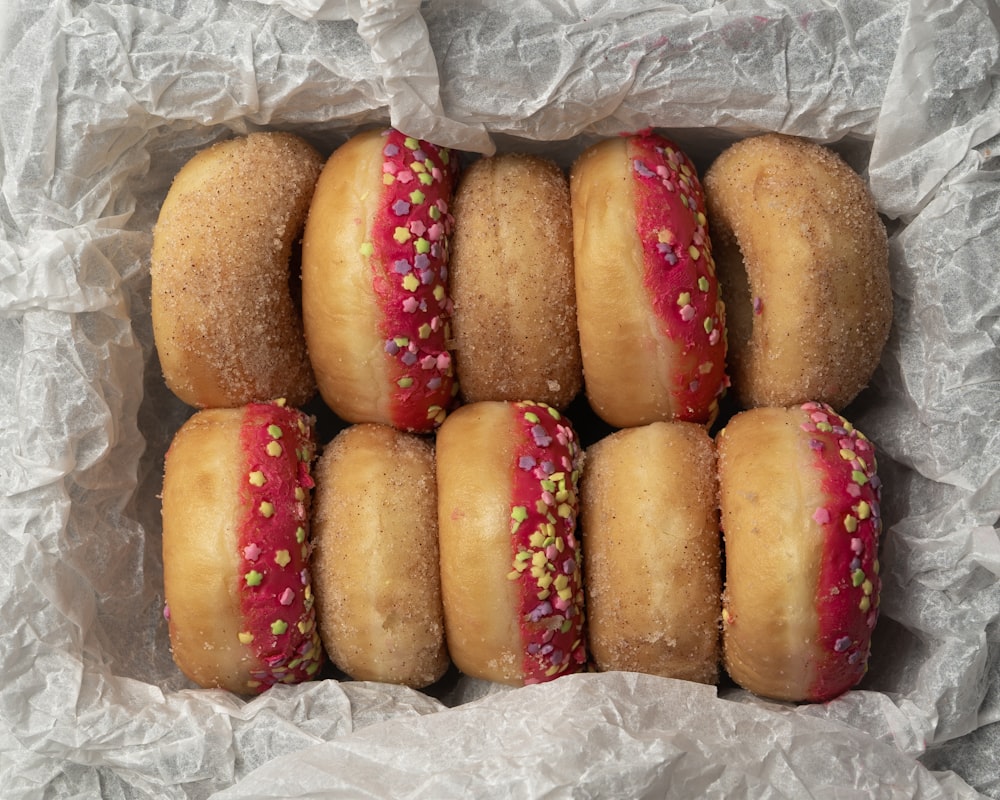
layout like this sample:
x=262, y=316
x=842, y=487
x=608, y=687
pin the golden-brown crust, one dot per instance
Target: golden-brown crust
x=375, y=563
x=200, y=559
x=339, y=306
x=768, y=494
x=474, y=452
x=652, y=554
x=226, y=326
x=803, y=263
x=514, y=321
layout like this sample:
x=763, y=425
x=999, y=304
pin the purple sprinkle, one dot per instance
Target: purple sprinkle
x=568, y=566
x=434, y=383
x=855, y=564
x=758, y=305
x=421, y=261
x=390, y=150
x=541, y=436
x=391, y=347
x=642, y=169
x=854, y=657
x=842, y=644
x=419, y=155
x=409, y=358
x=402, y=266
x=543, y=609
x=548, y=468
x=426, y=276
x=533, y=648
x=526, y=462
x=401, y=208
x=670, y=258
x=815, y=444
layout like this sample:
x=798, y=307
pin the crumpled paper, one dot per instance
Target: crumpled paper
x=102, y=103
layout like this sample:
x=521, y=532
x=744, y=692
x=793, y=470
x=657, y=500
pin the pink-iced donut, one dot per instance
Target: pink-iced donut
x=236, y=493
x=510, y=566
x=651, y=321
x=799, y=496
x=375, y=297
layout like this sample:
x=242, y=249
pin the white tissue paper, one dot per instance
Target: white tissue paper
x=100, y=105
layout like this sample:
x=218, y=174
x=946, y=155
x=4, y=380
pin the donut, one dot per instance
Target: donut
x=236, y=493
x=652, y=553
x=226, y=325
x=799, y=498
x=514, y=320
x=507, y=475
x=803, y=262
x=650, y=318
x=375, y=297
x=375, y=558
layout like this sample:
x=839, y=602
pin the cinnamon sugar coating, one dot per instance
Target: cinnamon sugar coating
x=512, y=284
x=803, y=264
x=227, y=328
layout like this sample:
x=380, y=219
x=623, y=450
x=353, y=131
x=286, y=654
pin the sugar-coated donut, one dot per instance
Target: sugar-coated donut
x=652, y=552
x=510, y=565
x=236, y=492
x=512, y=284
x=375, y=560
x=375, y=281
x=799, y=497
x=803, y=262
x=652, y=324
x=227, y=328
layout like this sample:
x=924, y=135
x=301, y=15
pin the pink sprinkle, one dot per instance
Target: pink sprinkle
x=410, y=305
x=287, y=597
x=251, y=552
x=166, y=612
x=853, y=489
x=443, y=361
x=417, y=228
x=822, y=516
x=688, y=313
x=856, y=545
x=713, y=337
x=405, y=176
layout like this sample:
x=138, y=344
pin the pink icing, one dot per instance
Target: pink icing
x=680, y=271
x=279, y=627
x=546, y=559
x=847, y=593
x=409, y=250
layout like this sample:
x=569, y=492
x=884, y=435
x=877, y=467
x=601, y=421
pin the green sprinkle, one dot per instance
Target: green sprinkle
x=422, y=245
x=703, y=283
x=410, y=143
x=300, y=534
x=274, y=431
x=278, y=627
x=253, y=578
x=366, y=249
x=405, y=383
x=857, y=577
x=417, y=197
x=709, y=324
x=859, y=477
x=531, y=417
x=519, y=513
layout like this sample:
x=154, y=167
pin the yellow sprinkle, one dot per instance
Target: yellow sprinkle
x=300, y=534
x=850, y=523
x=695, y=253
x=266, y=509
x=410, y=143
x=865, y=603
x=257, y=478
x=424, y=331
x=411, y=283
x=513, y=575
x=847, y=455
x=282, y=558
x=245, y=637
x=300, y=493
x=366, y=249
x=867, y=587
x=274, y=449
x=401, y=235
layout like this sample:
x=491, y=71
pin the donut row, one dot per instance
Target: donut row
x=484, y=547
x=423, y=287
